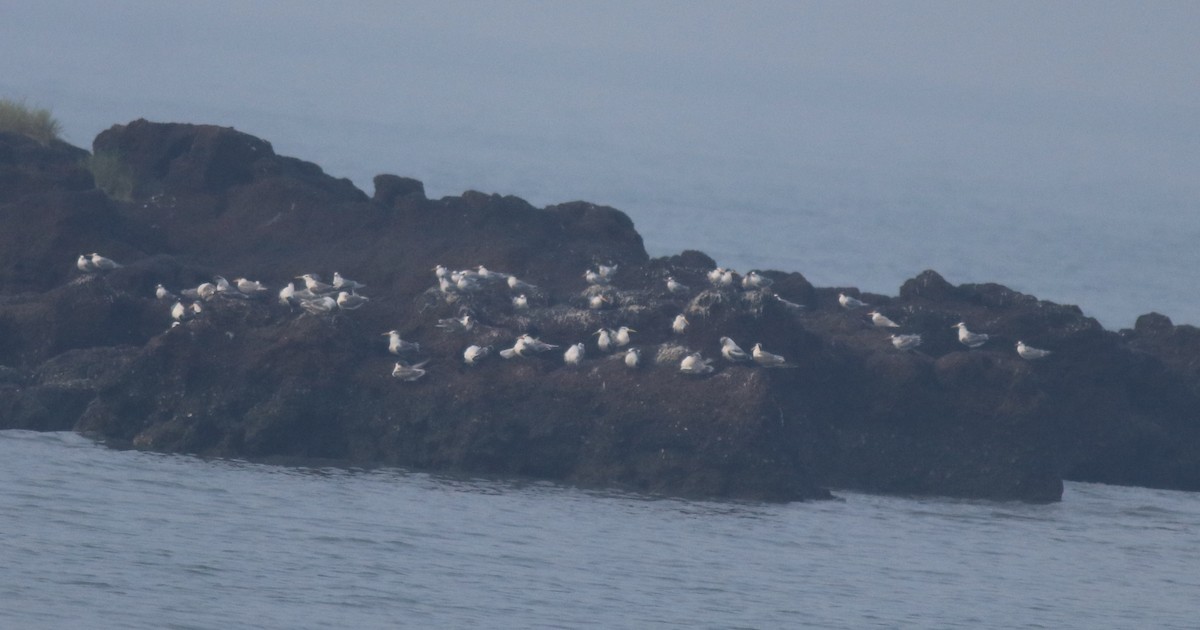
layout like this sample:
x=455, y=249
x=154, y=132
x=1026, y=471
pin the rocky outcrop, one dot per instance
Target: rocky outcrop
x=97, y=353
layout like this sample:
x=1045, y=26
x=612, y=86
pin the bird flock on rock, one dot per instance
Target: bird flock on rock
x=318, y=298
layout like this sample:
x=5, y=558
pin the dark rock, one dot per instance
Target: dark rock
x=393, y=190
x=253, y=378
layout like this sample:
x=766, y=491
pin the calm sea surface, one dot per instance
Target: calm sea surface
x=99, y=538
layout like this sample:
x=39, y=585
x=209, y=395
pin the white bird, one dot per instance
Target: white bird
x=732, y=352
x=766, y=359
x=441, y=271
x=521, y=303
x=223, y=285
x=621, y=337
x=509, y=353
x=715, y=276
x=517, y=285
x=679, y=326
x=1031, y=353
x=351, y=301
x=726, y=279
x=791, y=305
x=474, y=354
x=206, y=291
x=608, y=271
x=968, y=338
x=445, y=286
x=881, y=321
x=249, y=287
x=850, y=302
x=451, y=324
x=406, y=372
x=102, y=263
x=345, y=284
x=287, y=294
x=319, y=306
x=467, y=283
x=574, y=354
x=178, y=312
x=755, y=280
x=398, y=346
x=196, y=309
x=84, y=264
x=695, y=364
x=594, y=277
x=312, y=283
x=632, y=357
x=597, y=302
x=527, y=345
x=604, y=340
x=162, y=293
x=491, y=276
x=676, y=287
x=906, y=342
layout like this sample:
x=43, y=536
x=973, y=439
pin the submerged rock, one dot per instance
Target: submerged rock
x=257, y=377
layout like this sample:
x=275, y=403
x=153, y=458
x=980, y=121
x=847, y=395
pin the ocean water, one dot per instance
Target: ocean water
x=101, y=538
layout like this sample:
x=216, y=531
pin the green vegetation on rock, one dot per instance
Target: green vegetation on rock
x=35, y=122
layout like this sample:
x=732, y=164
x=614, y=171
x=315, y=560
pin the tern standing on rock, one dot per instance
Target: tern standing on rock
x=632, y=357
x=474, y=354
x=968, y=338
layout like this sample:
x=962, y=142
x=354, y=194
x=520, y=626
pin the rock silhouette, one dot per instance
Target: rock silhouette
x=256, y=378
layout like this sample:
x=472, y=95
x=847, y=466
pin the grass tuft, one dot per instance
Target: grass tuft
x=35, y=122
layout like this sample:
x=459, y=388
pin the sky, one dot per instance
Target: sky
x=1053, y=147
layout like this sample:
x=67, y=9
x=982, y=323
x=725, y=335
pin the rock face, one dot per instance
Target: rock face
x=96, y=352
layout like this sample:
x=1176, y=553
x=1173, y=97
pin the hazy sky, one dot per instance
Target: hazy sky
x=1051, y=146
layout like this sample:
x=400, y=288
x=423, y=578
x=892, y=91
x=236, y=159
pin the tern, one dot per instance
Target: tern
x=312, y=283
x=906, y=342
x=695, y=364
x=766, y=359
x=679, y=326
x=162, y=293
x=101, y=263
x=319, y=306
x=520, y=303
x=1031, y=353
x=881, y=321
x=850, y=302
x=621, y=337
x=451, y=324
x=398, y=346
x=249, y=287
x=84, y=264
x=345, y=284
x=632, y=357
x=407, y=372
x=968, y=338
x=731, y=351
x=574, y=354
x=351, y=301
x=604, y=340
x=755, y=280
x=474, y=354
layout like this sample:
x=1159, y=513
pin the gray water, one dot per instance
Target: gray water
x=100, y=538
x=1052, y=147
